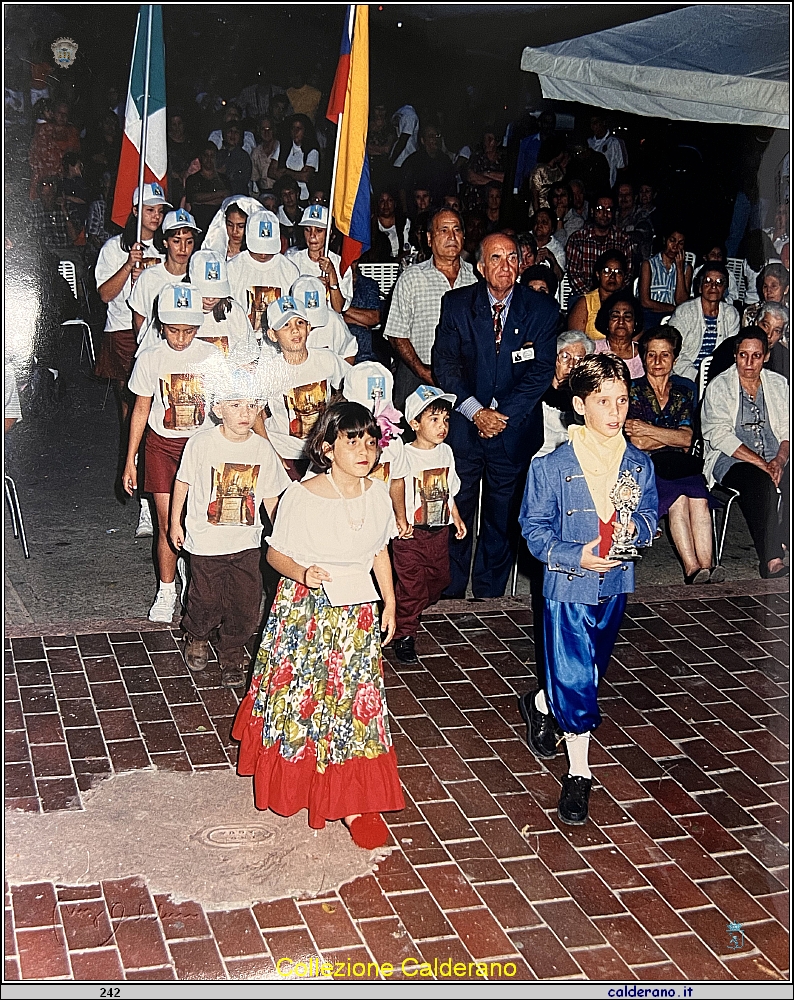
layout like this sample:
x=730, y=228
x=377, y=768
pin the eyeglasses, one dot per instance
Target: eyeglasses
x=622, y=315
x=718, y=282
x=574, y=359
x=604, y=208
x=617, y=271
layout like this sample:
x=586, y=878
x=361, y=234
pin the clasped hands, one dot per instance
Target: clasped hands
x=489, y=422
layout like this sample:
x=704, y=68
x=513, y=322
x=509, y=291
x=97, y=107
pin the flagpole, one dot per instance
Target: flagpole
x=144, y=123
x=336, y=154
x=333, y=186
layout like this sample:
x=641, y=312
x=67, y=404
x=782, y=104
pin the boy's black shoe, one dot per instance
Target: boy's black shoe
x=542, y=730
x=574, y=799
x=404, y=650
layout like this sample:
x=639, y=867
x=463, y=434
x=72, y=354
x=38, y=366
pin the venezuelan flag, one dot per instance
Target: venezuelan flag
x=350, y=101
x=149, y=30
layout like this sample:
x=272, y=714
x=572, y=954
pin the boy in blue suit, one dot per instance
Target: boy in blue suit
x=567, y=518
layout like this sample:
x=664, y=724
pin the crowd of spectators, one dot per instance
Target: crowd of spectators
x=589, y=228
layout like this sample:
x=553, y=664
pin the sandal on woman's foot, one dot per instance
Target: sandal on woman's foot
x=369, y=831
x=699, y=576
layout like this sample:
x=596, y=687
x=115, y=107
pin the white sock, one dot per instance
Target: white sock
x=578, y=747
x=168, y=586
x=540, y=702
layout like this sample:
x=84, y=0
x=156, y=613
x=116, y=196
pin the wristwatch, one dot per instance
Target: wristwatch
x=333, y=288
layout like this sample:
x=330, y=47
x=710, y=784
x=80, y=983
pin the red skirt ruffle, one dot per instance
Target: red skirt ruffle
x=360, y=785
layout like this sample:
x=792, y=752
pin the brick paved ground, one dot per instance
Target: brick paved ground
x=689, y=810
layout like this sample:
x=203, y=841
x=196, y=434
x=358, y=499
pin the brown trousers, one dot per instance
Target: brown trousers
x=225, y=592
x=421, y=565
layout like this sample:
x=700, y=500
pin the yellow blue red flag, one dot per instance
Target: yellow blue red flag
x=350, y=100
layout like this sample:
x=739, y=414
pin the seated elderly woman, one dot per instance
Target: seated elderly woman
x=558, y=411
x=772, y=285
x=610, y=275
x=772, y=318
x=620, y=320
x=661, y=412
x=704, y=322
x=746, y=435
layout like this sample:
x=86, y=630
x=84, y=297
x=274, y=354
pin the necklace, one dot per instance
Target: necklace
x=354, y=525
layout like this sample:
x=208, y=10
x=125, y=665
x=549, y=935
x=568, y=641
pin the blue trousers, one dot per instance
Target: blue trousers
x=578, y=642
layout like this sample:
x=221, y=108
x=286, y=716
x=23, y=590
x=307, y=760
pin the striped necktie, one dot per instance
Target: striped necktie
x=498, y=308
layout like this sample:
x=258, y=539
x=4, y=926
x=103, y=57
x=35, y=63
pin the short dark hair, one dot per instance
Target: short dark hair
x=343, y=417
x=751, y=333
x=540, y=272
x=603, y=259
x=436, y=406
x=591, y=373
x=711, y=265
x=622, y=295
x=667, y=333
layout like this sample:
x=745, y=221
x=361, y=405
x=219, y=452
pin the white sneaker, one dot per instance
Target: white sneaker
x=145, y=528
x=163, y=608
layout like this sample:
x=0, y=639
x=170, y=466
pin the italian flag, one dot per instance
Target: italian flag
x=148, y=38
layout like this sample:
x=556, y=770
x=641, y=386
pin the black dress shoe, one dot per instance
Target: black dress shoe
x=574, y=799
x=404, y=650
x=542, y=730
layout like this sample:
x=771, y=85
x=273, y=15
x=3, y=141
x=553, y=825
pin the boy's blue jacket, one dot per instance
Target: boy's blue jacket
x=558, y=517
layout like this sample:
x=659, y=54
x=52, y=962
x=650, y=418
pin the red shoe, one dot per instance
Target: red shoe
x=369, y=831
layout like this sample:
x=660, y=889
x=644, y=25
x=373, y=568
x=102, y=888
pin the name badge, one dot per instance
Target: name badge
x=525, y=354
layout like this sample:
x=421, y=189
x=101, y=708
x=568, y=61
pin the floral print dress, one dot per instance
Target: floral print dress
x=313, y=726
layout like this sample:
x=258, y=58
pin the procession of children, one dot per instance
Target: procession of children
x=245, y=399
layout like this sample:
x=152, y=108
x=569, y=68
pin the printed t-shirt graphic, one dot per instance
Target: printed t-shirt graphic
x=183, y=401
x=431, y=498
x=259, y=298
x=222, y=343
x=232, y=495
x=305, y=404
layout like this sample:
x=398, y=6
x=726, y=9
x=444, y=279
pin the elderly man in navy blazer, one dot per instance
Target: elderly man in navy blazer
x=495, y=349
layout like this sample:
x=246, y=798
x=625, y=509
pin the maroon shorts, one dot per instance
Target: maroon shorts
x=161, y=459
x=116, y=354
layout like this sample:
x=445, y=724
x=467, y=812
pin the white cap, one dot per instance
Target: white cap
x=207, y=270
x=422, y=398
x=315, y=215
x=263, y=233
x=280, y=312
x=309, y=293
x=180, y=304
x=367, y=383
x=180, y=219
x=153, y=195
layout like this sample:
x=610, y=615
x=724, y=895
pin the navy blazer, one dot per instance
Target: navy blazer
x=465, y=362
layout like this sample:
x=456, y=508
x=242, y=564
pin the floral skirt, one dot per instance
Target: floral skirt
x=313, y=727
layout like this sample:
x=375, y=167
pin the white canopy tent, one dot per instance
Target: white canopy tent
x=708, y=62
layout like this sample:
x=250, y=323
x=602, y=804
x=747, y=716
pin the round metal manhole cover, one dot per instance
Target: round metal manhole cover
x=233, y=836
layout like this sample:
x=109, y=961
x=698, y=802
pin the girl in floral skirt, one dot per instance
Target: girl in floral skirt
x=313, y=728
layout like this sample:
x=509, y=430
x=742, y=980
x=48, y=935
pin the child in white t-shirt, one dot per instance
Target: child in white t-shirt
x=225, y=324
x=329, y=330
x=261, y=274
x=424, y=507
x=225, y=474
x=313, y=375
x=170, y=406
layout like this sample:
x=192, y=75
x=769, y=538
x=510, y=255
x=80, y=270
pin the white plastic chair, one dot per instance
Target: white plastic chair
x=384, y=274
x=67, y=271
x=17, y=523
x=563, y=293
x=703, y=375
x=735, y=266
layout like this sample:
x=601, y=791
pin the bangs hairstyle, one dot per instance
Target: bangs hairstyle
x=437, y=406
x=751, y=333
x=591, y=373
x=351, y=419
